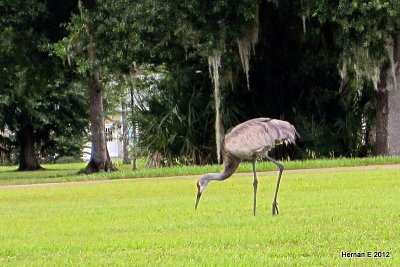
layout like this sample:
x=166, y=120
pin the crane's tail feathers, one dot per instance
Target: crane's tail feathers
x=286, y=133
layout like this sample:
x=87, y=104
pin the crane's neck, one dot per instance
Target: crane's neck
x=216, y=176
x=230, y=165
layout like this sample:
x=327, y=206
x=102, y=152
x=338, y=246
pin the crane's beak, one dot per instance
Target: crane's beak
x=197, y=200
x=198, y=196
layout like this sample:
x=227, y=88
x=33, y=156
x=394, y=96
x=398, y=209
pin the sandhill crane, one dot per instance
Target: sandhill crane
x=250, y=140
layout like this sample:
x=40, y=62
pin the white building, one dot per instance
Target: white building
x=114, y=142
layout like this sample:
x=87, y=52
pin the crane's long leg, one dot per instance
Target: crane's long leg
x=281, y=167
x=255, y=182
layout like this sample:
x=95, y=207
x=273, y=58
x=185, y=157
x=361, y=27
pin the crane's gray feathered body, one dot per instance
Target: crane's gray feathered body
x=254, y=138
x=250, y=140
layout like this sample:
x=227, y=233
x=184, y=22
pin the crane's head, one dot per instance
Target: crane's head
x=201, y=185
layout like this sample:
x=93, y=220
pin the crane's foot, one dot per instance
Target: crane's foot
x=275, y=210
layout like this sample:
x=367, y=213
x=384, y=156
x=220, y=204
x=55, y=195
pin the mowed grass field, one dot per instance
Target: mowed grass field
x=152, y=222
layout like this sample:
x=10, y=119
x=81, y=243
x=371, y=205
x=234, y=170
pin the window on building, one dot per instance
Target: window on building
x=109, y=133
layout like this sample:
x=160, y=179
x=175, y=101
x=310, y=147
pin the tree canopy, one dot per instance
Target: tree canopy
x=37, y=94
x=329, y=67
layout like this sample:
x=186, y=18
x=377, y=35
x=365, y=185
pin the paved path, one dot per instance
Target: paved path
x=369, y=167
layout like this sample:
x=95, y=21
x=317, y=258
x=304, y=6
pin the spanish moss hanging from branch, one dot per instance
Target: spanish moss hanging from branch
x=214, y=64
x=344, y=77
x=247, y=43
x=364, y=65
x=304, y=16
x=393, y=63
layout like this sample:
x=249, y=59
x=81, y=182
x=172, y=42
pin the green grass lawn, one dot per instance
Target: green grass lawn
x=152, y=222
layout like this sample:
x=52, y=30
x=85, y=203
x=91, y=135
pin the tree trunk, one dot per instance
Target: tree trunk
x=387, y=123
x=27, y=157
x=134, y=139
x=99, y=159
x=219, y=129
x=125, y=133
x=388, y=104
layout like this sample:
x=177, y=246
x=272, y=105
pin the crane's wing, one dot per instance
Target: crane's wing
x=257, y=136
